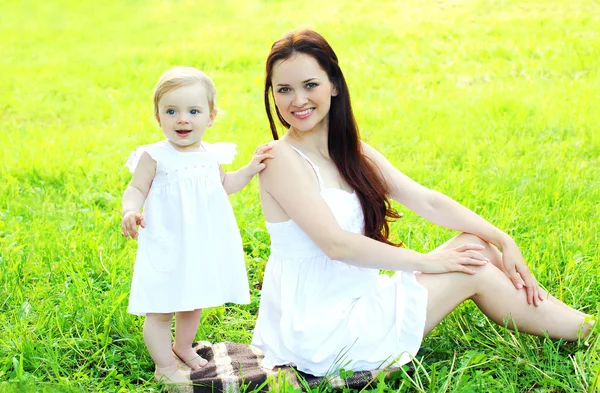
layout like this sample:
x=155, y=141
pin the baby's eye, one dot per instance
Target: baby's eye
x=194, y=111
x=311, y=85
x=170, y=111
x=283, y=90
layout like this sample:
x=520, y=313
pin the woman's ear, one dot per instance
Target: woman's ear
x=334, y=91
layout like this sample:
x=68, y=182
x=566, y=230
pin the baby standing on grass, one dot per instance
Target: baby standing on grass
x=190, y=252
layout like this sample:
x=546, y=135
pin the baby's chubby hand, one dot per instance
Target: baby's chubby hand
x=257, y=163
x=131, y=220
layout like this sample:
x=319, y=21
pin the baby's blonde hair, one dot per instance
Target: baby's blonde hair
x=177, y=77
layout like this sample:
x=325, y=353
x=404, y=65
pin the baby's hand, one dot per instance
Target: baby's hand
x=257, y=163
x=130, y=221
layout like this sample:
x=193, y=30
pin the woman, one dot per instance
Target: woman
x=324, y=195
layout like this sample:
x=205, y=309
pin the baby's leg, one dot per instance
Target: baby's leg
x=157, y=336
x=186, y=326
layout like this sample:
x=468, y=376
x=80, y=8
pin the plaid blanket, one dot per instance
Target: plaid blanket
x=233, y=367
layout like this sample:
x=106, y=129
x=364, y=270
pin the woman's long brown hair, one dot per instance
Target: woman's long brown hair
x=343, y=143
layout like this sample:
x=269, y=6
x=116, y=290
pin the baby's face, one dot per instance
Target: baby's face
x=184, y=115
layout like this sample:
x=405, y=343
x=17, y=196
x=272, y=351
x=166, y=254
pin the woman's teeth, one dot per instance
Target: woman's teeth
x=304, y=112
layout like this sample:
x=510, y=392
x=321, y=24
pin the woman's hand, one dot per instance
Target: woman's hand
x=455, y=260
x=517, y=270
x=131, y=220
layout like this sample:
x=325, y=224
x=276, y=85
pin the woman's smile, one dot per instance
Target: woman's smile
x=302, y=92
x=303, y=114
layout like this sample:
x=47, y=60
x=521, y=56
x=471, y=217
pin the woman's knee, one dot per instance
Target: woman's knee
x=490, y=251
x=484, y=275
x=469, y=284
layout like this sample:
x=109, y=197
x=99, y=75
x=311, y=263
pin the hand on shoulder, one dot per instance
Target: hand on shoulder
x=259, y=160
x=282, y=160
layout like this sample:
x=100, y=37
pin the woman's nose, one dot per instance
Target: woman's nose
x=300, y=99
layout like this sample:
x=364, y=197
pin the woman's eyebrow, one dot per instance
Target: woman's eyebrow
x=304, y=81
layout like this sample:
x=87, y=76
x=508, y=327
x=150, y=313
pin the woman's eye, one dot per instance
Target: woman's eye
x=170, y=111
x=194, y=111
x=283, y=90
x=311, y=85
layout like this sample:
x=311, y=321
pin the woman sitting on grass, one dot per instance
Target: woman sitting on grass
x=325, y=196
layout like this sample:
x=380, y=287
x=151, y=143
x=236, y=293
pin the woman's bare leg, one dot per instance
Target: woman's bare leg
x=557, y=301
x=495, y=257
x=497, y=297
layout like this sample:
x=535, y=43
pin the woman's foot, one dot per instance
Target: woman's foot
x=171, y=374
x=587, y=327
x=189, y=356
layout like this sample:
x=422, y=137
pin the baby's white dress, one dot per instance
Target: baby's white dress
x=320, y=314
x=190, y=254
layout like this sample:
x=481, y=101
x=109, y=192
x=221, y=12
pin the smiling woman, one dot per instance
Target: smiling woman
x=309, y=99
x=323, y=296
x=493, y=102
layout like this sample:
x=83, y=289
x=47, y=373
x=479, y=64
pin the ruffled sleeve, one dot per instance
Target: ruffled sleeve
x=134, y=158
x=224, y=151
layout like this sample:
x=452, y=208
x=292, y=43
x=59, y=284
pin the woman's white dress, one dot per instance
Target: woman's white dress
x=321, y=315
x=190, y=254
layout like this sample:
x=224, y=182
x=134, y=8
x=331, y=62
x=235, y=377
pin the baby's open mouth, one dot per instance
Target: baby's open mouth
x=183, y=132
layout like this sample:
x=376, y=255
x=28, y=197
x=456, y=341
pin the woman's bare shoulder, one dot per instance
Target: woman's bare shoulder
x=280, y=148
x=369, y=150
x=284, y=157
x=286, y=170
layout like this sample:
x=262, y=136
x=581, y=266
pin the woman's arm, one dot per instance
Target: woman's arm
x=295, y=189
x=433, y=205
x=446, y=212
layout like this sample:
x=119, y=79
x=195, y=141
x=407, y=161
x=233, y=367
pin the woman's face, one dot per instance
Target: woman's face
x=302, y=92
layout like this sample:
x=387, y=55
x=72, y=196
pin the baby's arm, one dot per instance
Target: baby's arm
x=135, y=194
x=235, y=181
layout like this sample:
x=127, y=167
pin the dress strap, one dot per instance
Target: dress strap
x=315, y=168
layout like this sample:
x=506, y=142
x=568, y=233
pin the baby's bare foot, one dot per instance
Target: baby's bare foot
x=171, y=374
x=189, y=357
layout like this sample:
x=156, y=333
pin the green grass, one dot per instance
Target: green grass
x=493, y=102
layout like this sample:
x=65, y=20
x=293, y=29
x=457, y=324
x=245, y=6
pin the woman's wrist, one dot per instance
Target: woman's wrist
x=416, y=261
x=505, y=241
